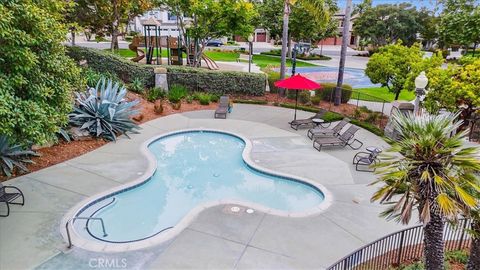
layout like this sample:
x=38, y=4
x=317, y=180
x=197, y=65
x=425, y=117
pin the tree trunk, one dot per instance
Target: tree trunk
x=286, y=14
x=433, y=240
x=397, y=94
x=474, y=49
x=321, y=48
x=72, y=31
x=474, y=260
x=114, y=44
x=289, y=47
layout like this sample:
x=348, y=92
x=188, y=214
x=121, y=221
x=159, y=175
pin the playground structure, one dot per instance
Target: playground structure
x=153, y=43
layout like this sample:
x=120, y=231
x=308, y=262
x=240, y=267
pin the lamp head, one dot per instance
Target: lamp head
x=421, y=80
x=250, y=38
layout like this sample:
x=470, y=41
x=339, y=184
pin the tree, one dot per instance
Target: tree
x=101, y=16
x=432, y=175
x=474, y=260
x=270, y=16
x=210, y=19
x=386, y=23
x=320, y=23
x=37, y=79
x=460, y=23
x=283, y=61
x=457, y=86
x=396, y=66
x=428, y=27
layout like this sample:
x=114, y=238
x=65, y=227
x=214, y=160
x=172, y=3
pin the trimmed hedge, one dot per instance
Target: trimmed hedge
x=325, y=93
x=195, y=79
x=217, y=82
x=368, y=126
x=104, y=61
x=328, y=117
x=250, y=101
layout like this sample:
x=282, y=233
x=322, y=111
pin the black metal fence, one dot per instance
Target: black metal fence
x=401, y=246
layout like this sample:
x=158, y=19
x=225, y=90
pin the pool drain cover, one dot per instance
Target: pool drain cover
x=250, y=211
x=235, y=209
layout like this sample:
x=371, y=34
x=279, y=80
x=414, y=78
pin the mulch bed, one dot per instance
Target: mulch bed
x=64, y=151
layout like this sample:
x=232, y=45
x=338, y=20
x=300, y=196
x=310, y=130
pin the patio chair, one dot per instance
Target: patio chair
x=321, y=131
x=10, y=197
x=296, y=124
x=365, y=159
x=222, y=110
x=346, y=138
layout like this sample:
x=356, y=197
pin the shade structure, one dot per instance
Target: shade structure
x=298, y=83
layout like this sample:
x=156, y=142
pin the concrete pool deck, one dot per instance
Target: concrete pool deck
x=217, y=238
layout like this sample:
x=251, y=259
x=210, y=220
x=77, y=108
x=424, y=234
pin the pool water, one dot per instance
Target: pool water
x=353, y=76
x=194, y=168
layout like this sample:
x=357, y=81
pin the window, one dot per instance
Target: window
x=172, y=17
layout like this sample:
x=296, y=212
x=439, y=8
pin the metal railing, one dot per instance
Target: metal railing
x=84, y=218
x=401, y=246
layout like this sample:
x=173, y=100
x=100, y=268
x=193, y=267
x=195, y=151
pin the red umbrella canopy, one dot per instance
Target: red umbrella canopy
x=297, y=82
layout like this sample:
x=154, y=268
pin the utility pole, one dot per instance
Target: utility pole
x=286, y=14
x=343, y=52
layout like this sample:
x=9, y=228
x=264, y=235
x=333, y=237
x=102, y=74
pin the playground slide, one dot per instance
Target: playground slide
x=134, y=47
x=210, y=63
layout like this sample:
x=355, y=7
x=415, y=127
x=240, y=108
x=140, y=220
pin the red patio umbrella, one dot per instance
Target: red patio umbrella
x=298, y=83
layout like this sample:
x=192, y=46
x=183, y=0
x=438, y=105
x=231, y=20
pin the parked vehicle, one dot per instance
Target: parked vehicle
x=214, y=43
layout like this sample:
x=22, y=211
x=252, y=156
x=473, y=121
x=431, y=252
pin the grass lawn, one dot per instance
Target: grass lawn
x=265, y=60
x=381, y=92
x=260, y=60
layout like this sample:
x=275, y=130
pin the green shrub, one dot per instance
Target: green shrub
x=327, y=92
x=304, y=97
x=272, y=77
x=250, y=101
x=368, y=126
x=315, y=100
x=105, y=61
x=137, y=86
x=460, y=256
x=103, y=111
x=214, y=98
x=176, y=93
x=189, y=99
x=372, y=117
x=217, y=82
x=13, y=157
x=291, y=94
x=92, y=77
x=155, y=93
x=37, y=79
x=204, y=98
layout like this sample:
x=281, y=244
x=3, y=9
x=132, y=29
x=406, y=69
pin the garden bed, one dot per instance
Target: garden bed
x=64, y=151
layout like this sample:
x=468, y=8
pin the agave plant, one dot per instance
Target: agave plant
x=104, y=112
x=13, y=156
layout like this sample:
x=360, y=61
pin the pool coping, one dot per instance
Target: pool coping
x=102, y=246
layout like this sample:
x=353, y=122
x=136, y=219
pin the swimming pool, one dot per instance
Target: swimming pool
x=194, y=168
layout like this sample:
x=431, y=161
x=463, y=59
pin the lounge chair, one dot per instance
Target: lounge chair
x=9, y=197
x=346, y=138
x=296, y=124
x=222, y=110
x=365, y=159
x=321, y=131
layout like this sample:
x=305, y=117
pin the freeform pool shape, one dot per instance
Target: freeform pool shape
x=194, y=168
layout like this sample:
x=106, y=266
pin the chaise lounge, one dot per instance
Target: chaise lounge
x=10, y=197
x=366, y=160
x=346, y=138
x=222, y=110
x=296, y=124
x=321, y=131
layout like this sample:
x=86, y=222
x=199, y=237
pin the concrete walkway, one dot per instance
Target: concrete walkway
x=217, y=239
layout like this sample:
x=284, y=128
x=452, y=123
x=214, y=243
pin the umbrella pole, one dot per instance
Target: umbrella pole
x=296, y=102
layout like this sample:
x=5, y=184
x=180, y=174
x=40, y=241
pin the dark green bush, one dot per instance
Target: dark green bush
x=176, y=93
x=272, y=77
x=217, y=82
x=327, y=92
x=304, y=97
x=105, y=61
x=368, y=126
x=155, y=93
x=250, y=101
x=214, y=98
x=204, y=98
x=291, y=94
x=315, y=100
x=37, y=79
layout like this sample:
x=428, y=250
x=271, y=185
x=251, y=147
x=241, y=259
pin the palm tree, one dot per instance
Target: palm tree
x=431, y=172
x=283, y=62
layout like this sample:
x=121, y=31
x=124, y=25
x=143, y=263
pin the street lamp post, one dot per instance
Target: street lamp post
x=250, y=49
x=421, y=82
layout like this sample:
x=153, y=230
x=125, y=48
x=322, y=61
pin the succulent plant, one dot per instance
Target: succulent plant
x=13, y=156
x=137, y=86
x=104, y=112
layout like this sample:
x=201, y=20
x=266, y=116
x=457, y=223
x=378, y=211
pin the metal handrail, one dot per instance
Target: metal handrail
x=84, y=218
x=401, y=245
